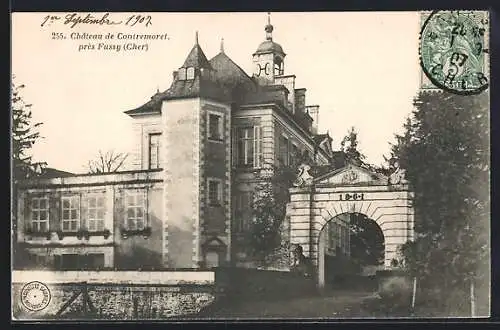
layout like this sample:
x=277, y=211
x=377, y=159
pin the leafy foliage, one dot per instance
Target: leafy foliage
x=445, y=150
x=24, y=135
x=367, y=240
x=271, y=196
x=108, y=162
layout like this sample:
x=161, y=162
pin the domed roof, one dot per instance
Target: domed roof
x=269, y=46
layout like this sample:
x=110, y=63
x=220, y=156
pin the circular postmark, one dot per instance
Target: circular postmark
x=35, y=296
x=454, y=49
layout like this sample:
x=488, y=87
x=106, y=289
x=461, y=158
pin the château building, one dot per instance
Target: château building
x=201, y=147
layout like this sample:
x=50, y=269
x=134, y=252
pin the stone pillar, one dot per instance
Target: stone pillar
x=321, y=258
x=300, y=218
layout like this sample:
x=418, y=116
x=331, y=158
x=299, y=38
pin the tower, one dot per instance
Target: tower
x=269, y=57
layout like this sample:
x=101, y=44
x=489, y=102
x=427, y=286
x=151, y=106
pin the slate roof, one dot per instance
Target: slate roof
x=50, y=172
x=201, y=86
x=196, y=58
x=152, y=106
x=267, y=94
x=229, y=74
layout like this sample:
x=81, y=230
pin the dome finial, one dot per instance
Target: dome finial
x=269, y=28
x=196, y=38
x=222, y=45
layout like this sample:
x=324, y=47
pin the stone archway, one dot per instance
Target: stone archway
x=345, y=190
x=338, y=256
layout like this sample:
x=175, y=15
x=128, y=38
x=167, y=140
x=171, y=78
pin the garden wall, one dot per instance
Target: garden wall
x=116, y=295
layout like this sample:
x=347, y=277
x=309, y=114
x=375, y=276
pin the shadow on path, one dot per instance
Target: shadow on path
x=329, y=305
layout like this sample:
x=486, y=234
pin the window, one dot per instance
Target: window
x=79, y=261
x=214, y=192
x=37, y=261
x=40, y=214
x=215, y=127
x=95, y=213
x=182, y=74
x=243, y=211
x=346, y=240
x=248, y=146
x=245, y=146
x=190, y=73
x=307, y=155
x=294, y=156
x=136, y=205
x=70, y=213
x=284, y=151
x=331, y=236
x=154, y=150
x=91, y=261
x=339, y=236
x=278, y=70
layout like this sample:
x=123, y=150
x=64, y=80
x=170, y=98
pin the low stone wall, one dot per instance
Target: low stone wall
x=127, y=298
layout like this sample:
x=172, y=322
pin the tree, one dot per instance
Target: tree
x=366, y=240
x=108, y=162
x=445, y=151
x=25, y=134
x=271, y=195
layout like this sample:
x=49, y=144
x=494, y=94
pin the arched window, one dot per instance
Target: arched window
x=278, y=66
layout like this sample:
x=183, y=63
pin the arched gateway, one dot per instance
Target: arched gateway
x=314, y=202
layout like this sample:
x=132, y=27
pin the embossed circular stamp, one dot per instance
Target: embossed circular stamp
x=35, y=296
x=454, y=50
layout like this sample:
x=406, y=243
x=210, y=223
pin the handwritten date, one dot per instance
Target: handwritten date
x=75, y=19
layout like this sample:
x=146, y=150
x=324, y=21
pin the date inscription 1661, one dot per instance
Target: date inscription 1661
x=352, y=197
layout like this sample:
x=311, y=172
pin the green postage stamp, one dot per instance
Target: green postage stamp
x=454, y=50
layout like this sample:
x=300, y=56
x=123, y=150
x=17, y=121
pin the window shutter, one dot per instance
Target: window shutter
x=221, y=127
x=27, y=212
x=55, y=212
x=256, y=146
x=84, y=203
x=120, y=212
x=146, y=207
x=234, y=147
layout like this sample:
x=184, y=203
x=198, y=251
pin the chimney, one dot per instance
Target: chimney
x=300, y=100
x=289, y=83
x=313, y=111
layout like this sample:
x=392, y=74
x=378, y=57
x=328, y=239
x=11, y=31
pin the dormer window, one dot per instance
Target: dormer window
x=182, y=74
x=190, y=73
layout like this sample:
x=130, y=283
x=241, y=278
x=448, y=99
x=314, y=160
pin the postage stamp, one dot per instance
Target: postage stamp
x=187, y=166
x=454, y=50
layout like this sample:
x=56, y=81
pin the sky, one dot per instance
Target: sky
x=362, y=69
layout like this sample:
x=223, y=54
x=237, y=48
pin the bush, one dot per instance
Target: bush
x=396, y=289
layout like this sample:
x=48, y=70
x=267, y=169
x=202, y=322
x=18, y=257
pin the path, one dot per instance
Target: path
x=335, y=304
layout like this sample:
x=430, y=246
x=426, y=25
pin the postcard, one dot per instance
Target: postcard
x=250, y=165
